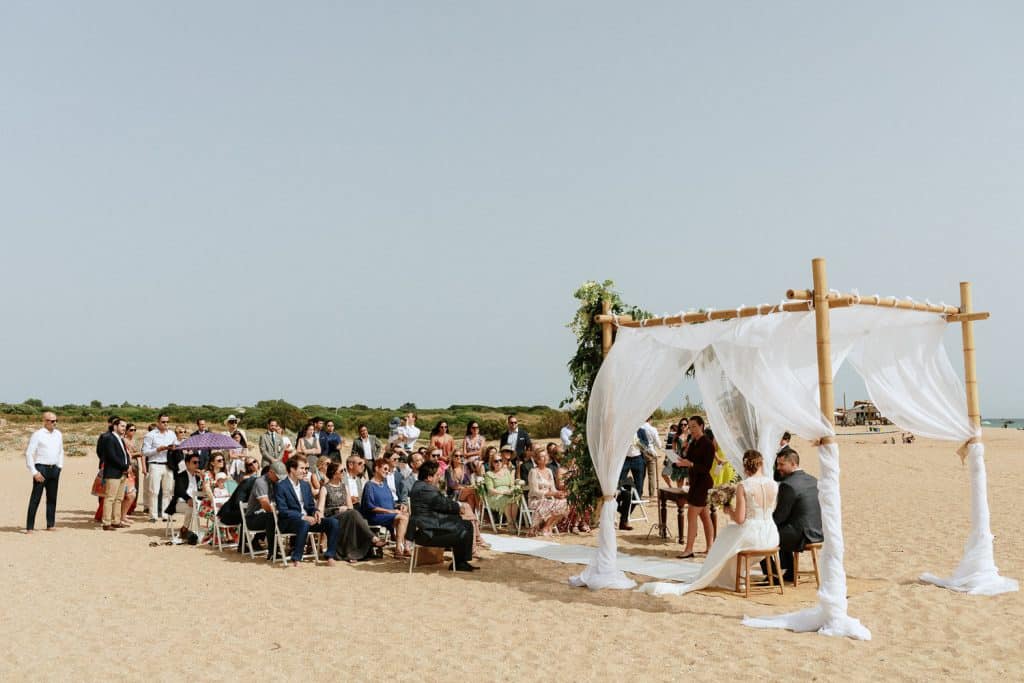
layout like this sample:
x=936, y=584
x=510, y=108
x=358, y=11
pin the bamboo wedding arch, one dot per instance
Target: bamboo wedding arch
x=976, y=573
x=821, y=300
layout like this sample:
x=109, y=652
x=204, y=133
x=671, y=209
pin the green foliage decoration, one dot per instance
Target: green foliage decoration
x=584, y=489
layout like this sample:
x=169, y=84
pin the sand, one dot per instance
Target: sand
x=85, y=604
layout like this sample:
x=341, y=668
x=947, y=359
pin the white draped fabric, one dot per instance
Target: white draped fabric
x=911, y=381
x=758, y=376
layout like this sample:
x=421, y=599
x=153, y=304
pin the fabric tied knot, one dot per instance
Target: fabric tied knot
x=607, y=498
x=962, y=451
x=823, y=441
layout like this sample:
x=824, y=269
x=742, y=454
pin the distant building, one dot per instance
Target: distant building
x=862, y=413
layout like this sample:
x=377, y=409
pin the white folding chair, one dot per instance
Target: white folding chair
x=246, y=538
x=279, y=547
x=219, y=527
x=638, y=504
x=171, y=529
x=524, y=515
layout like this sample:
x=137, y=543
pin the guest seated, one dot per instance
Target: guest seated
x=354, y=478
x=258, y=511
x=547, y=503
x=459, y=482
x=499, y=482
x=437, y=521
x=379, y=508
x=318, y=476
x=186, y=488
x=356, y=540
x=297, y=513
x=409, y=474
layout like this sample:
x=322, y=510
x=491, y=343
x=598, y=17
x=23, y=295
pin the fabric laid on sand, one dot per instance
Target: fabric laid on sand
x=656, y=567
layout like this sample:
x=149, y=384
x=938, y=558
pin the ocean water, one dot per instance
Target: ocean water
x=1010, y=422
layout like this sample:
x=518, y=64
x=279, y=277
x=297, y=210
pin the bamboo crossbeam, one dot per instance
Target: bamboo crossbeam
x=724, y=314
x=967, y=317
x=884, y=302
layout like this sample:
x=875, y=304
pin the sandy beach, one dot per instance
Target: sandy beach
x=89, y=605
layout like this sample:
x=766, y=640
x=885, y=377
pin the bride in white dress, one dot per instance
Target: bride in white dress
x=754, y=529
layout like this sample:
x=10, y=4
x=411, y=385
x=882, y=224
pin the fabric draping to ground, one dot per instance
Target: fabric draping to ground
x=656, y=567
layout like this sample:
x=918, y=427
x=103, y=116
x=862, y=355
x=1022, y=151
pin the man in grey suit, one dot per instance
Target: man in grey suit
x=354, y=478
x=367, y=446
x=797, y=512
x=271, y=444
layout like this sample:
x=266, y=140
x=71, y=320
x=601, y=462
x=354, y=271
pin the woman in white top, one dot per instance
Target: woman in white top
x=753, y=529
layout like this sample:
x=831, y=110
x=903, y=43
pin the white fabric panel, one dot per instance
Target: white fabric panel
x=977, y=573
x=734, y=420
x=634, y=379
x=910, y=379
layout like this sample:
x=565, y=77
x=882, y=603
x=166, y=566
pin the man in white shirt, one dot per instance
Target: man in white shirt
x=408, y=433
x=45, y=459
x=160, y=479
x=650, y=445
x=566, y=435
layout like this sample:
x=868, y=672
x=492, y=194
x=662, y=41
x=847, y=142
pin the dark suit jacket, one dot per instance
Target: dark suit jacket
x=113, y=455
x=797, y=513
x=433, y=513
x=522, y=442
x=231, y=511
x=181, y=490
x=289, y=508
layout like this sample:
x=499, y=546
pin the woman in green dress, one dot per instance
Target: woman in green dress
x=499, y=485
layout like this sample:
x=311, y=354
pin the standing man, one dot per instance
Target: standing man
x=408, y=433
x=204, y=453
x=517, y=438
x=367, y=446
x=115, y=476
x=271, y=444
x=650, y=444
x=160, y=479
x=565, y=434
x=232, y=425
x=331, y=442
x=318, y=430
x=45, y=459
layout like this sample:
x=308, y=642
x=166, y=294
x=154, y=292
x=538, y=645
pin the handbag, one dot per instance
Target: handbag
x=97, y=484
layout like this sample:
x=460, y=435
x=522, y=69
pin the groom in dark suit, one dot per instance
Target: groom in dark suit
x=797, y=512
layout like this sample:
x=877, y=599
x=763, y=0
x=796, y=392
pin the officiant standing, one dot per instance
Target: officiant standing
x=700, y=458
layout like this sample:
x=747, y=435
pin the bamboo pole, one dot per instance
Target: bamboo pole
x=606, y=328
x=884, y=302
x=724, y=314
x=822, y=329
x=970, y=369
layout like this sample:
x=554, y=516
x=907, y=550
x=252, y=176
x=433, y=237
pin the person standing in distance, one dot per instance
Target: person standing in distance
x=271, y=445
x=160, y=479
x=45, y=459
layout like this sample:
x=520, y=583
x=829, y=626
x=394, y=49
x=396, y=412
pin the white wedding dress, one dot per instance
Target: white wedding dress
x=757, y=532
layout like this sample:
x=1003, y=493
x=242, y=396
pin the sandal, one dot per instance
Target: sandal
x=685, y=556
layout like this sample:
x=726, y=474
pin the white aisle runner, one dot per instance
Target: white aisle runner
x=656, y=567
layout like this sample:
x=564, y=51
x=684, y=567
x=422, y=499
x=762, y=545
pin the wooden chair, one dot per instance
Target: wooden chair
x=414, y=556
x=813, y=549
x=744, y=558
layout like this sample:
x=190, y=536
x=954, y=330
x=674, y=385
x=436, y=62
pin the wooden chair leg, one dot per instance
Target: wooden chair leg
x=796, y=567
x=746, y=584
x=814, y=559
x=778, y=573
x=738, y=561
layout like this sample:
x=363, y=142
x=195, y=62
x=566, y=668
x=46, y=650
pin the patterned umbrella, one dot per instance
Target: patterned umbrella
x=216, y=442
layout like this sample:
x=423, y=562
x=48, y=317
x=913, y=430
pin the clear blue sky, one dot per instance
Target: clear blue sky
x=386, y=202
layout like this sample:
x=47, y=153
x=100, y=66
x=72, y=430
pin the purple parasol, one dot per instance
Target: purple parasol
x=217, y=442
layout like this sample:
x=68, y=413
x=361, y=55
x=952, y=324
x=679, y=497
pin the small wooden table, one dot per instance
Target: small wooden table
x=678, y=496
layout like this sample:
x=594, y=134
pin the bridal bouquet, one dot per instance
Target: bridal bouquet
x=723, y=495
